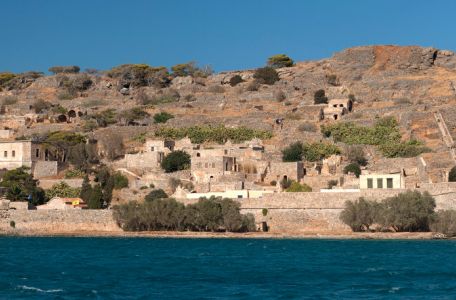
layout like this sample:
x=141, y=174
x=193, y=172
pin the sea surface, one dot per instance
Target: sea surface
x=167, y=268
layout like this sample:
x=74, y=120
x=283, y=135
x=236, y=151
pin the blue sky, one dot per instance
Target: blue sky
x=227, y=35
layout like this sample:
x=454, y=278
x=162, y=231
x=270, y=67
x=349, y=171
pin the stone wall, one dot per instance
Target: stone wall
x=59, y=221
x=44, y=169
x=48, y=183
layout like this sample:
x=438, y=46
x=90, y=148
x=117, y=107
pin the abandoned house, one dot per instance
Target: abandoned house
x=337, y=108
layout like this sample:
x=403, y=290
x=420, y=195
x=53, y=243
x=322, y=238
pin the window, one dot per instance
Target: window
x=152, y=149
x=37, y=153
x=5, y=153
x=379, y=183
x=13, y=153
x=199, y=165
x=370, y=183
x=226, y=151
x=239, y=196
x=198, y=154
x=389, y=183
x=213, y=165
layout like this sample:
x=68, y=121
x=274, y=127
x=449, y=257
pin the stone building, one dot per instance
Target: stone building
x=381, y=181
x=337, y=108
x=150, y=157
x=16, y=154
x=278, y=171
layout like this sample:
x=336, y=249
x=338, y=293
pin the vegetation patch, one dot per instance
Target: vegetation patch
x=219, y=134
x=309, y=151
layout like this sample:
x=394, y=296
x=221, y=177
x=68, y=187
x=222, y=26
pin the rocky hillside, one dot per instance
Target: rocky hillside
x=409, y=83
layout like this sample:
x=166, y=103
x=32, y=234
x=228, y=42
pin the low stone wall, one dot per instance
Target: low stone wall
x=44, y=169
x=59, y=221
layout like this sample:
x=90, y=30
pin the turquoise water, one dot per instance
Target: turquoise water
x=143, y=268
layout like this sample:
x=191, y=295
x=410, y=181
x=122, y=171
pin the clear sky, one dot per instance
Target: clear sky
x=227, y=35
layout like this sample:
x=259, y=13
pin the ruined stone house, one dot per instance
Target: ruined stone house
x=337, y=108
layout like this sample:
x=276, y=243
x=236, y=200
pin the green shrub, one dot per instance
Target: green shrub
x=445, y=222
x=62, y=189
x=6, y=77
x=285, y=183
x=162, y=117
x=352, y=168
x=176, y=161
x=266, y=75
x=12, y=224
x=136, y=113
x=280, y=61
x=264, y=212
x=190, y=69
x=452, y=175
x=296, y=187
x=64, y=69
x=156, y=194
x=320, y=97
x=409, y=211
x=74, y=173
x=219, y=134
x=332, y=80
x=355, y=154
x=120, y=181
x=20, y=186
x=293, y=152
x=214, y=214
x=332, y=183
x=138, y=75
x=359, y=214
x=409, y=148
x=235, y=80
x=40, y=106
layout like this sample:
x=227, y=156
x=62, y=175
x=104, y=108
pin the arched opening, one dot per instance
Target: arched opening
x=72, y=114
x=80, y=114
x=62, y=119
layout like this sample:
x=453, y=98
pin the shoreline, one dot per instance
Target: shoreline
x=227, y=235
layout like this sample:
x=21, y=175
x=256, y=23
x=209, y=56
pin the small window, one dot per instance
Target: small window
x=37, y=153
x=379, y=183
x=334, y=105
x=370, y=184
x=5, y=153
x=199, y=165
x=389, y=183
x=341, y=105
x=152, y=149
x=13, y=153
x=213, y=165
x=226, y=151
x=239, y=196
x=198, y=154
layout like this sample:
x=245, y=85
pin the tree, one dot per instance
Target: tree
x=293, y=152
x=452, y=175
x=266, y=75
x=20, y=186
x=355, y=154
x=409, y=211
x=162, y=117
x=119, y=181
x=190, y=69
x=353, y=168
x=359, y=214
x=445, y=222
x=95, y=198
x=176, y=161
x=156, y=194
x=86, y=189
x=320, y=97
x=280, y=61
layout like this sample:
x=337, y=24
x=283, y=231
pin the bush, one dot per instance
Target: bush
x=280, y=61
x=235, y=80
x=156, y=194
x=62, y=189
x=266, y=75
x=138, y=75
x=293, y=152
x=319, y=151
x=214, y=214
x=74, y=173
x=5, y=78
x=353, y=168
x=452, y=175
x=134, y=114
x=176, y=161
x=332, y=183
x=190, y=69
x=296, y=187
x=359, y=215
x=285, y=183
x=332, y=80
x=12, y=224
x=264, y=212
x=219, y=134
x=40, y=106
x=253, y=86
x=320, y=97
x=170, y=96
x=64, y=69
x=445, y=222
x=385, y=134
x=162, y=117
x=20, y=186
x=120, y=181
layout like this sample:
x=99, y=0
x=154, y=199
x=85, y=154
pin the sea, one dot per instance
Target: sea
x=184, y=268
